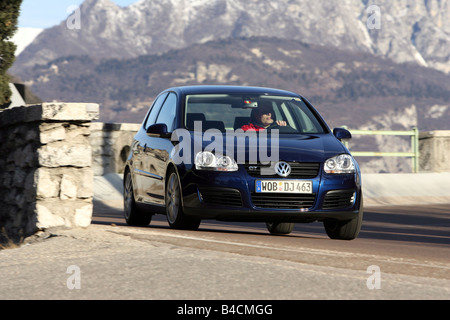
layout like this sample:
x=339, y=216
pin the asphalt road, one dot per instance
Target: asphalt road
x=403, y=252
x=400, y=240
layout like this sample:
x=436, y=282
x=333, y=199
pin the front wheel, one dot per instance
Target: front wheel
x=280, y=227
x=133, y=216
x=174, y=211
x=344, y=230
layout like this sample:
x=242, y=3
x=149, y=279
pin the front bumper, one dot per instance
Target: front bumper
x=231, y=196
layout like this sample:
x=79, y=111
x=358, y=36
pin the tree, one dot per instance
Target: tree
x=9, y=14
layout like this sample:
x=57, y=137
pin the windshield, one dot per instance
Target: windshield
x=232, y=112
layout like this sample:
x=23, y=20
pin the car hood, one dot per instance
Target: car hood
x=290, y=147
x=304, y=148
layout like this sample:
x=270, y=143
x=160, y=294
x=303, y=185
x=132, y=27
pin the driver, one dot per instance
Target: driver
x=261, y=117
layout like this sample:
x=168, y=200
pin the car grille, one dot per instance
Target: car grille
x=299, y=170
x=338, y=199
x=283, y=200
x=221, y=196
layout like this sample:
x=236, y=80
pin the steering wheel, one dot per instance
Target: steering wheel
x=282, y=129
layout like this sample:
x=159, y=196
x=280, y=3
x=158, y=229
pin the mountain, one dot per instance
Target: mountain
x=122, y=56
x=415, y=31
x=366, y=64
x=380, y=65
x=348, y=88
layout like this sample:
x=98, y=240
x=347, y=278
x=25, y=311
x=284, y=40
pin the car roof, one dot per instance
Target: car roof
x=225, y=89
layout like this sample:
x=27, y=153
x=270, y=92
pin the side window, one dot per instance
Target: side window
x=168, y=112
x=155, y=110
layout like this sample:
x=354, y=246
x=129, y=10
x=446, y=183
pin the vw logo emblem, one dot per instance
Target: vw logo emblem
x=283, y=169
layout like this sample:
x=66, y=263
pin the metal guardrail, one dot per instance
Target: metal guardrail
x=414, y=154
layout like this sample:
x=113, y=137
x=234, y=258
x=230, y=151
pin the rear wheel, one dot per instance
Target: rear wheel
x=280, y=227
x=175, y=216
x=344, y=230
x=133, y=216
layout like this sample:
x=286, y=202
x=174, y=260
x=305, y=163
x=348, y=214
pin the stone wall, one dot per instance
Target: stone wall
x=111, y=144
x=46, y=177
x=434, y=147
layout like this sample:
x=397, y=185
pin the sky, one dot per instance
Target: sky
x=48, y=13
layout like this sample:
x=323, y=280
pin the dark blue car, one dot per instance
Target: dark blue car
x=241, y=154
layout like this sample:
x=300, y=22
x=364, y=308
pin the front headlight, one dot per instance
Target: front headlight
x=206, y=160
x=342, y=163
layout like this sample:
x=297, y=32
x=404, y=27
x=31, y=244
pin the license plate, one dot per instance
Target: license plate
x=284, y=186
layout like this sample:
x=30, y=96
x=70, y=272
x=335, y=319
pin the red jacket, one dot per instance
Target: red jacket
x=252, y=127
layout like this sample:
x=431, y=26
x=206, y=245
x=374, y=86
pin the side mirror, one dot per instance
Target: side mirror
x=158, y=130
x=342, y=134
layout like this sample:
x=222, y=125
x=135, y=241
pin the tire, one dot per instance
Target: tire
x=280, y=227
x=345, y=230
x=174, y=210
x=133, y=216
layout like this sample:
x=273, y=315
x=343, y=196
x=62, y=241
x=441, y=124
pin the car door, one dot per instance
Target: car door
x=141, y=144
x=156, y=154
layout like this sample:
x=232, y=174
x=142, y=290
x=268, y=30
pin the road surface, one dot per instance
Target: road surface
x=397, y=240
x=402, y=253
